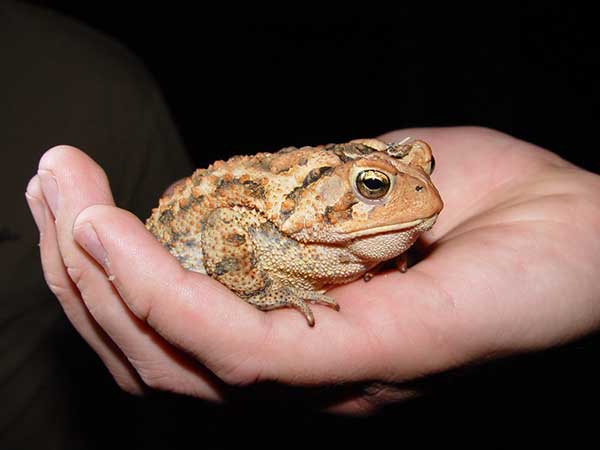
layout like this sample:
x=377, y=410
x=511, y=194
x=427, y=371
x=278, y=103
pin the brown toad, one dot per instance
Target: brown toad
x=279, y=229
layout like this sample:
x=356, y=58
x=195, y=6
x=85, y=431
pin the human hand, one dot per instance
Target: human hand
x=512, y=265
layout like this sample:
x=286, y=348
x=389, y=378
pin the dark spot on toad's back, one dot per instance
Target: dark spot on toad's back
x=315, y=174
x=292, y=197
x=251, y=188
x=235, y=239
x=350, y=151
x=195, y=200
x=262, y=162
x=287, y=149
x=176, y=236
x=399, y=151
x=198, y=175
x=229, y=264
x=190, y=243
x=254, y=189
x=166, y=217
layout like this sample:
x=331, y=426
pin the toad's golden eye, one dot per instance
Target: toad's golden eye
x=372, y=184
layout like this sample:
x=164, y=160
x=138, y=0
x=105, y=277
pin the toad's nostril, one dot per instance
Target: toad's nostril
x=419, y=188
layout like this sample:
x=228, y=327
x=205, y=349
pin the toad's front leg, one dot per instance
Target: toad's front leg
x=401, y=263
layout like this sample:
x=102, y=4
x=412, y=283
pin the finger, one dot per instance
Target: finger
x=79, y=182
x=70, y=182
x=160, y=365
x=191, y=311
x=61, y=285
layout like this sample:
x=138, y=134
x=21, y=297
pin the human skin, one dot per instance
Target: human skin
x=512, y=265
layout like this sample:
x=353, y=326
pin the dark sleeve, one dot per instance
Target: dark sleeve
x=63, y=83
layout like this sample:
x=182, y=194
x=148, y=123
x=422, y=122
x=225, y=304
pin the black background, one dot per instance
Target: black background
x=244, y=81
x=258, y=83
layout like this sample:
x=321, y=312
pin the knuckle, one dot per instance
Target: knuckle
x=60, y=287
x=80, y=276
x=67, y=296
x=75, y=274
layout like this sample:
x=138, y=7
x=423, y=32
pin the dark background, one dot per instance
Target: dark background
x=260, y=83
x=246, y=81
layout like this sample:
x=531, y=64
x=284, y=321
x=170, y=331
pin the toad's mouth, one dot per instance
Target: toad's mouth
x=420, y=224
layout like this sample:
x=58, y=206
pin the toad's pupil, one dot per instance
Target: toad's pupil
x=374, y=183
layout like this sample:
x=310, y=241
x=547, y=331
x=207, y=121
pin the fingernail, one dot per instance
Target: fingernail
x=50, y=189
x=86, y=236
x=37, y=211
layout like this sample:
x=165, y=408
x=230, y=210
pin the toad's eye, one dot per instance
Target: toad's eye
x=372, y=184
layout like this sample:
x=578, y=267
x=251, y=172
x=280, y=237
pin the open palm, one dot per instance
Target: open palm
x=511, y=265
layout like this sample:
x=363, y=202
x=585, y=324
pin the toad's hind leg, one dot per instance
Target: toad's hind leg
x=228, y=252
x=229, y=256
x=280, y=297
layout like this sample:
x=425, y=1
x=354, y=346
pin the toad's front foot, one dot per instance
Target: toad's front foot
x=401, y=263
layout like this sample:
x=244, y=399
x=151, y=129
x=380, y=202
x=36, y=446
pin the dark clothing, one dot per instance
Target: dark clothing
x=63, y=83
